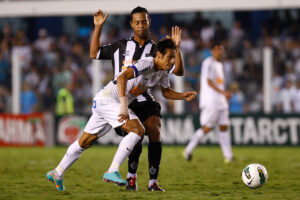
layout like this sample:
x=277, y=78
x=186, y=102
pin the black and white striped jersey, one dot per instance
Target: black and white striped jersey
x=126, y=52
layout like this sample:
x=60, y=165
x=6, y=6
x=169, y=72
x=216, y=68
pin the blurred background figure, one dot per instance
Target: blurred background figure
x=296, y=98
x=65, y=101
x=237, y=103
x=3, y=100
x=28, y=99
x=285, y=97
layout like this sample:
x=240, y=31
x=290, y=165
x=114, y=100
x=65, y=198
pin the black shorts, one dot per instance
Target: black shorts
x=143, y=111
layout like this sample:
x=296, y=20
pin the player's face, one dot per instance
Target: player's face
x=217, y=52
x=140, y=24
x=166, y=61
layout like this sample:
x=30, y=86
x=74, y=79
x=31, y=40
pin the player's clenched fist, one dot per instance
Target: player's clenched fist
x=99, y=18
x=189, y=96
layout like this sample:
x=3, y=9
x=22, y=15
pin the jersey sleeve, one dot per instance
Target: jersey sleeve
x=164, y=80
x=106, y=52
x=143, y=66
x=210, y=71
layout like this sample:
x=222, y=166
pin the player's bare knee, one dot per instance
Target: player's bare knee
x=153, y=133
x=140, y=130
x=86, y=140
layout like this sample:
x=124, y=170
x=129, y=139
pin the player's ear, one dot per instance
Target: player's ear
x=158, y=54
x=131, y=24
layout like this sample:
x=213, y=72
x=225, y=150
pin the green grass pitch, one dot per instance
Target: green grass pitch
x=23, y=170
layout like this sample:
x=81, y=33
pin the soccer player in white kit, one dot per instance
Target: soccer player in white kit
x=110, y=110
x=213, y=104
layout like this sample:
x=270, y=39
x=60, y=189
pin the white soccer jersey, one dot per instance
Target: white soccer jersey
x=145, y=78
x=210, y=98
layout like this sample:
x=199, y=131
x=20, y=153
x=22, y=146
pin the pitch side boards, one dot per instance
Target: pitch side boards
x=22, y=130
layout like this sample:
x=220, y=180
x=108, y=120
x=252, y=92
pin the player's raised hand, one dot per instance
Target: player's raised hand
x=189, y=96
x=99, y=18
x=176, y=35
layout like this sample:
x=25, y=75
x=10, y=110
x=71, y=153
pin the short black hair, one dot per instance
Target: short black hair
x=215, y=43
x=138, y=10
x=164, y=44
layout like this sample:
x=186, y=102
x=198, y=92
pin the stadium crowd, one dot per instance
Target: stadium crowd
x=50, y=63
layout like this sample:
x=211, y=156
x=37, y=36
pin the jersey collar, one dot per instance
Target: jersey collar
x=138, y=44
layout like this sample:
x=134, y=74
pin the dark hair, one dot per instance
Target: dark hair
x=215, y=43
x=164, y=44
x=138, y=10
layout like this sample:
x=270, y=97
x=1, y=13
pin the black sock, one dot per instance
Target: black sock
x=133, y=158
x=154, y=157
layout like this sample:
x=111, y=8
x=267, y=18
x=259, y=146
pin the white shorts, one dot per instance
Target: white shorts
x=211, y=117
x=105, y=116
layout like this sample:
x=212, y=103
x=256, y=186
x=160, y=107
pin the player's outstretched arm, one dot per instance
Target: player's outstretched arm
x=99, y=20
x=168, y=93
x=122, y=85
x=176, y=37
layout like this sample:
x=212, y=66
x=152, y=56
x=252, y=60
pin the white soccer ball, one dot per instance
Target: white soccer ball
x=255, y=175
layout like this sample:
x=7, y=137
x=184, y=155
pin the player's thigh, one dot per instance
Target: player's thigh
x=109, y=111
x=208, y=117
x=152, y=125
x=135, y=126
x=97, y=125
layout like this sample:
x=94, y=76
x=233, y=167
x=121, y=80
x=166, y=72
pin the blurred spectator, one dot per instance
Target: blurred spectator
x=187, y=45
x=192, y=71
x=296, y=98
x=44, y=41
x=285, y=97
x=5, y=70
x=235, y=39
x=22, y=48
x=207, y=32
x=3, y=100
x=28, y=99
x=220, y=32
x=64, y=101
x=237, y=101
x=48, y=99
x=62, y=76
x=277, y=83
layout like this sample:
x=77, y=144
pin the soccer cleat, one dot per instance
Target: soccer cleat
x=57, y=182
x=114, y=177
x=187, y=156
x=155, y=187
x=131, y=184
x=229, y=160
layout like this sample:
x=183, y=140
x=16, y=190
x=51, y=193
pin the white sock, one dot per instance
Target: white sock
x=73, y=153
x=131, y=175
x=194, y=141
x=152, y=181
x=125, y=148
x=225, y=143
